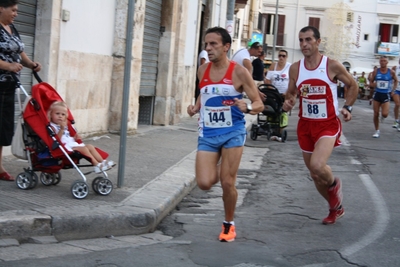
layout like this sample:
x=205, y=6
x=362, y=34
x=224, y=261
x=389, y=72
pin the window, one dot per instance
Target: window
x=366, y=36
x=350, y=17
x=314, y=22
x=268, y=22
x=388, y=33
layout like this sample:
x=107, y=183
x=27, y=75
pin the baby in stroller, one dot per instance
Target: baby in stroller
x=58, y=117
x=271, y=121
x=50, y=143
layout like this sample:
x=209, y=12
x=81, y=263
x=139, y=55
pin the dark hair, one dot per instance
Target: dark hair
x=262, y=53
x=225, y=36
x=283, y=50
x=317, y=35
x=8, y=3
x=255, y=45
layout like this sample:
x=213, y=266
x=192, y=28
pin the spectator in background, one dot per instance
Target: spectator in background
x=362, y=82
x=258, y=69
x=278, y=76
x=243, y=56
x=202, y=58
x=340, y=89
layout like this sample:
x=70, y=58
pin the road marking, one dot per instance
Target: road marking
x=382, y=218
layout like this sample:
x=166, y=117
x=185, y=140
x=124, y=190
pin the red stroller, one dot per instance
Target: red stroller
x=44, y=150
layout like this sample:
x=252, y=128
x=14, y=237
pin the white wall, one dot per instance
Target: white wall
x=191, y=33
x=90, y=28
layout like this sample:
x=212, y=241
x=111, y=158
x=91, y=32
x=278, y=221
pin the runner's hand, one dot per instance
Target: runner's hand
x=192, y=110
x=346, y=114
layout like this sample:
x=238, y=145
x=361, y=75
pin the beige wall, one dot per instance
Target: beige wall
x=92, y=84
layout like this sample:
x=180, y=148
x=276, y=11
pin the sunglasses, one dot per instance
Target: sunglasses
x=282, y=56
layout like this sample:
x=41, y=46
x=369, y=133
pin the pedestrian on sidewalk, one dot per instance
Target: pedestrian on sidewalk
x=278, y=76
x=12, y=60
x=315, y=78
x=396, y=99
x=381, y=79
x=258, y=69
x=222, y=131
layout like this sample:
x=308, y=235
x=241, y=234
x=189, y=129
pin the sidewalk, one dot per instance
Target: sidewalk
x=159, y=172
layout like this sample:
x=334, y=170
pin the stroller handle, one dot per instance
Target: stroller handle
x=16, y=79
x=19, y=85
x=37, y=77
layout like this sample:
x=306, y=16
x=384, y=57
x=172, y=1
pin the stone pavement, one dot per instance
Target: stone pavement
x=159, y=172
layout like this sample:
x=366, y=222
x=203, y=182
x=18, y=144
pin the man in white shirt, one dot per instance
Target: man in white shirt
x=243, y=56
x=203, y=58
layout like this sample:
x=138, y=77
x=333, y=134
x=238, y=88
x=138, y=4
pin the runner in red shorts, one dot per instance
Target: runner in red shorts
x=314, y=78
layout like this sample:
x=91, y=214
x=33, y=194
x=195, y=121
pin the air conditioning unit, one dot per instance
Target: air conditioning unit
x=269, y=39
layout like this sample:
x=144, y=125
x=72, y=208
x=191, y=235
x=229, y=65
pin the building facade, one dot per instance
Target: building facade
x=351, y=30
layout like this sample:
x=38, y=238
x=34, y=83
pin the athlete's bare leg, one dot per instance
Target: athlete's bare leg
x=229, y=166
x=396, y=99
x=376, y=108
x=207, y=173
x=316, y=163
x=385, y=107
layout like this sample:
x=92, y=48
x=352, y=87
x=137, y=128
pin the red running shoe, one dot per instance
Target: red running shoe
x=333, y=216
x=335, y=195
x=228, y=233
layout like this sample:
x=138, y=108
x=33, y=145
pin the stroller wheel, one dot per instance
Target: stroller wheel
x=79, y=189
x=254, y=132
x=46, y=178
x=56, y=178
x=95, y=184
x=269, y=135
x=24, y=180
x=35, y=180
x=284, y=135
x=104, y=186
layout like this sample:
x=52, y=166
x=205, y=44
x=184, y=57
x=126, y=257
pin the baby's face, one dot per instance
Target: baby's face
x=59, y=115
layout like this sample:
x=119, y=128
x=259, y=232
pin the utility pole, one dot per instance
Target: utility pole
x=229, y=20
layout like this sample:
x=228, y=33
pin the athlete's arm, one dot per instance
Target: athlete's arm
x=340, y=73
x=371, y=79
x=291, y=93
x=395, y=80
x=242, y=78
x=193, y=109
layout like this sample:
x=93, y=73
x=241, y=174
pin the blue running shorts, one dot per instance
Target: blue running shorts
x=216, y=143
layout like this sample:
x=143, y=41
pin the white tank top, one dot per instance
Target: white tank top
x=318, y=93
x=280, y=78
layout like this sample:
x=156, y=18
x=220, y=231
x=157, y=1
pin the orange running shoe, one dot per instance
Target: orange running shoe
x=228, y=233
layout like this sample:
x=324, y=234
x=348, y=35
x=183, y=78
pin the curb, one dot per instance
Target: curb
x=140, y=213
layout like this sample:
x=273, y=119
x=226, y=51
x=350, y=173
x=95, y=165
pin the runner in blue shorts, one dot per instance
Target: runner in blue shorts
x=221, y=122
x=381, y=80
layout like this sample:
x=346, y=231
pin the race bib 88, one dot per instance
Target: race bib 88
x=314, y=109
